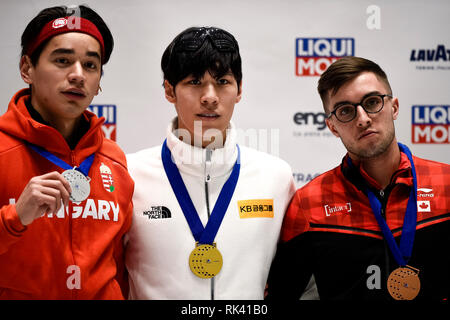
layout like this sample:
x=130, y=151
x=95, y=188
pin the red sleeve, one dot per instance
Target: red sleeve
x=295, y=222
x=11, y=228
x=119, y=252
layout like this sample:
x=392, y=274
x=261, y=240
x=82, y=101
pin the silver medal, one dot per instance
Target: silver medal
x=79, y=184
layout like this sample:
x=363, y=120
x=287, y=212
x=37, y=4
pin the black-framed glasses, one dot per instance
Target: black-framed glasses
x=191, y=41
x=346, y=111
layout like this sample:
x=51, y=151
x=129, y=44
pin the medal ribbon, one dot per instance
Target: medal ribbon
x=203, y=235
x=83, y=168
x=402, y=253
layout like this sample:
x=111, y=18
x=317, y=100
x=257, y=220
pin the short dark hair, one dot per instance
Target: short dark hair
x=35, y=26
x=345, y=70
x=199, y=49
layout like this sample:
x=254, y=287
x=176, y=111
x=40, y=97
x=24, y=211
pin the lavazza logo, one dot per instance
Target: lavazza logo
x=314, y=55
x=437, y=58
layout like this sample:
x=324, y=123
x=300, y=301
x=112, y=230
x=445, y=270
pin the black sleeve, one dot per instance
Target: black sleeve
x=291, y=269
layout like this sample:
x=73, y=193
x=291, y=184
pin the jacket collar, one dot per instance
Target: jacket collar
x=192, y=160
x=17, y=122
x=360, y=179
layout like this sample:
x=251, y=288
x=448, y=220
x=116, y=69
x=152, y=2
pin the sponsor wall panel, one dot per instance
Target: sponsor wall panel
x=280, y=106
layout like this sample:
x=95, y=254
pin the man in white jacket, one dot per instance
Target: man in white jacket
x=207, y=212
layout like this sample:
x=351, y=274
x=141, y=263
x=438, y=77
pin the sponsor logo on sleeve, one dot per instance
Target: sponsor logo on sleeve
x=423, y=204
x=337, y=209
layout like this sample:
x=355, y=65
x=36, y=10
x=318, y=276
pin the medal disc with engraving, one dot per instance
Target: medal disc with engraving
x=205, y=261
x=79, y=184
x=404, y=283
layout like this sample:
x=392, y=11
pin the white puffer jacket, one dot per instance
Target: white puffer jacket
x=160, y=241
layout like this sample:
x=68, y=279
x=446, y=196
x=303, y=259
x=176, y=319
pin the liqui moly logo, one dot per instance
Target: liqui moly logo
x=314, y=55
x=109, y=127
x=431, y=124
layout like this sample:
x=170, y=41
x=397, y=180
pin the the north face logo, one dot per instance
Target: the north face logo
x=158, y=212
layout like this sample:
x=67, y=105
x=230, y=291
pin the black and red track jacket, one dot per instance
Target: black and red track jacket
x=330, y=232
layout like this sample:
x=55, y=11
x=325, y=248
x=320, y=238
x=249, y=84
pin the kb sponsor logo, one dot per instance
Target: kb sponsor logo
x=431, y=124
x=314, y=55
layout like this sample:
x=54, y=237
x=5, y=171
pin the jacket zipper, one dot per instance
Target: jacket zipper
x=207, y=180
x=384, y=195
x=74, y=292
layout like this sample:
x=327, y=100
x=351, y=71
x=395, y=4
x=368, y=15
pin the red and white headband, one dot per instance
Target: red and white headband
x=63, y=25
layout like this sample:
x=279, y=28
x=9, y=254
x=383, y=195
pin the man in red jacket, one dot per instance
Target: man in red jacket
x=61, y=228
x=377, y=227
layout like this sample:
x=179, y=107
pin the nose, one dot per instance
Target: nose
x=76, y=74
x=362, y=117
x=209, y=97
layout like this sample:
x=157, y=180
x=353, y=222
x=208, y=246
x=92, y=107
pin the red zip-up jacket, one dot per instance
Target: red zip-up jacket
x=76, y=253
x=330, y=231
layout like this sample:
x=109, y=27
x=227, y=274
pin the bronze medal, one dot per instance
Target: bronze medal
x=205, y=261
x=404, y=283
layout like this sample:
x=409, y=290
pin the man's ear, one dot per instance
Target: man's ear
x=169, y=90
x=332, y=128
x=395, y=108
x=239, y=96
x=99, y=89
x=26, y=69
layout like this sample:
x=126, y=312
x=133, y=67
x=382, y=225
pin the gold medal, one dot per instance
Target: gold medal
x=404, y=283
x=205, y=261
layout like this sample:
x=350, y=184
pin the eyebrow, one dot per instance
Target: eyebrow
x=340, y=103
x=93, y=54
x=71, y=51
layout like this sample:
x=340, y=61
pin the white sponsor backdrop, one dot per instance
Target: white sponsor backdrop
x=384, y=31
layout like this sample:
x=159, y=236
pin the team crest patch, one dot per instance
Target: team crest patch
x=424, y=196
x=107, y=178
x=258, y=208
x=423, y=206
